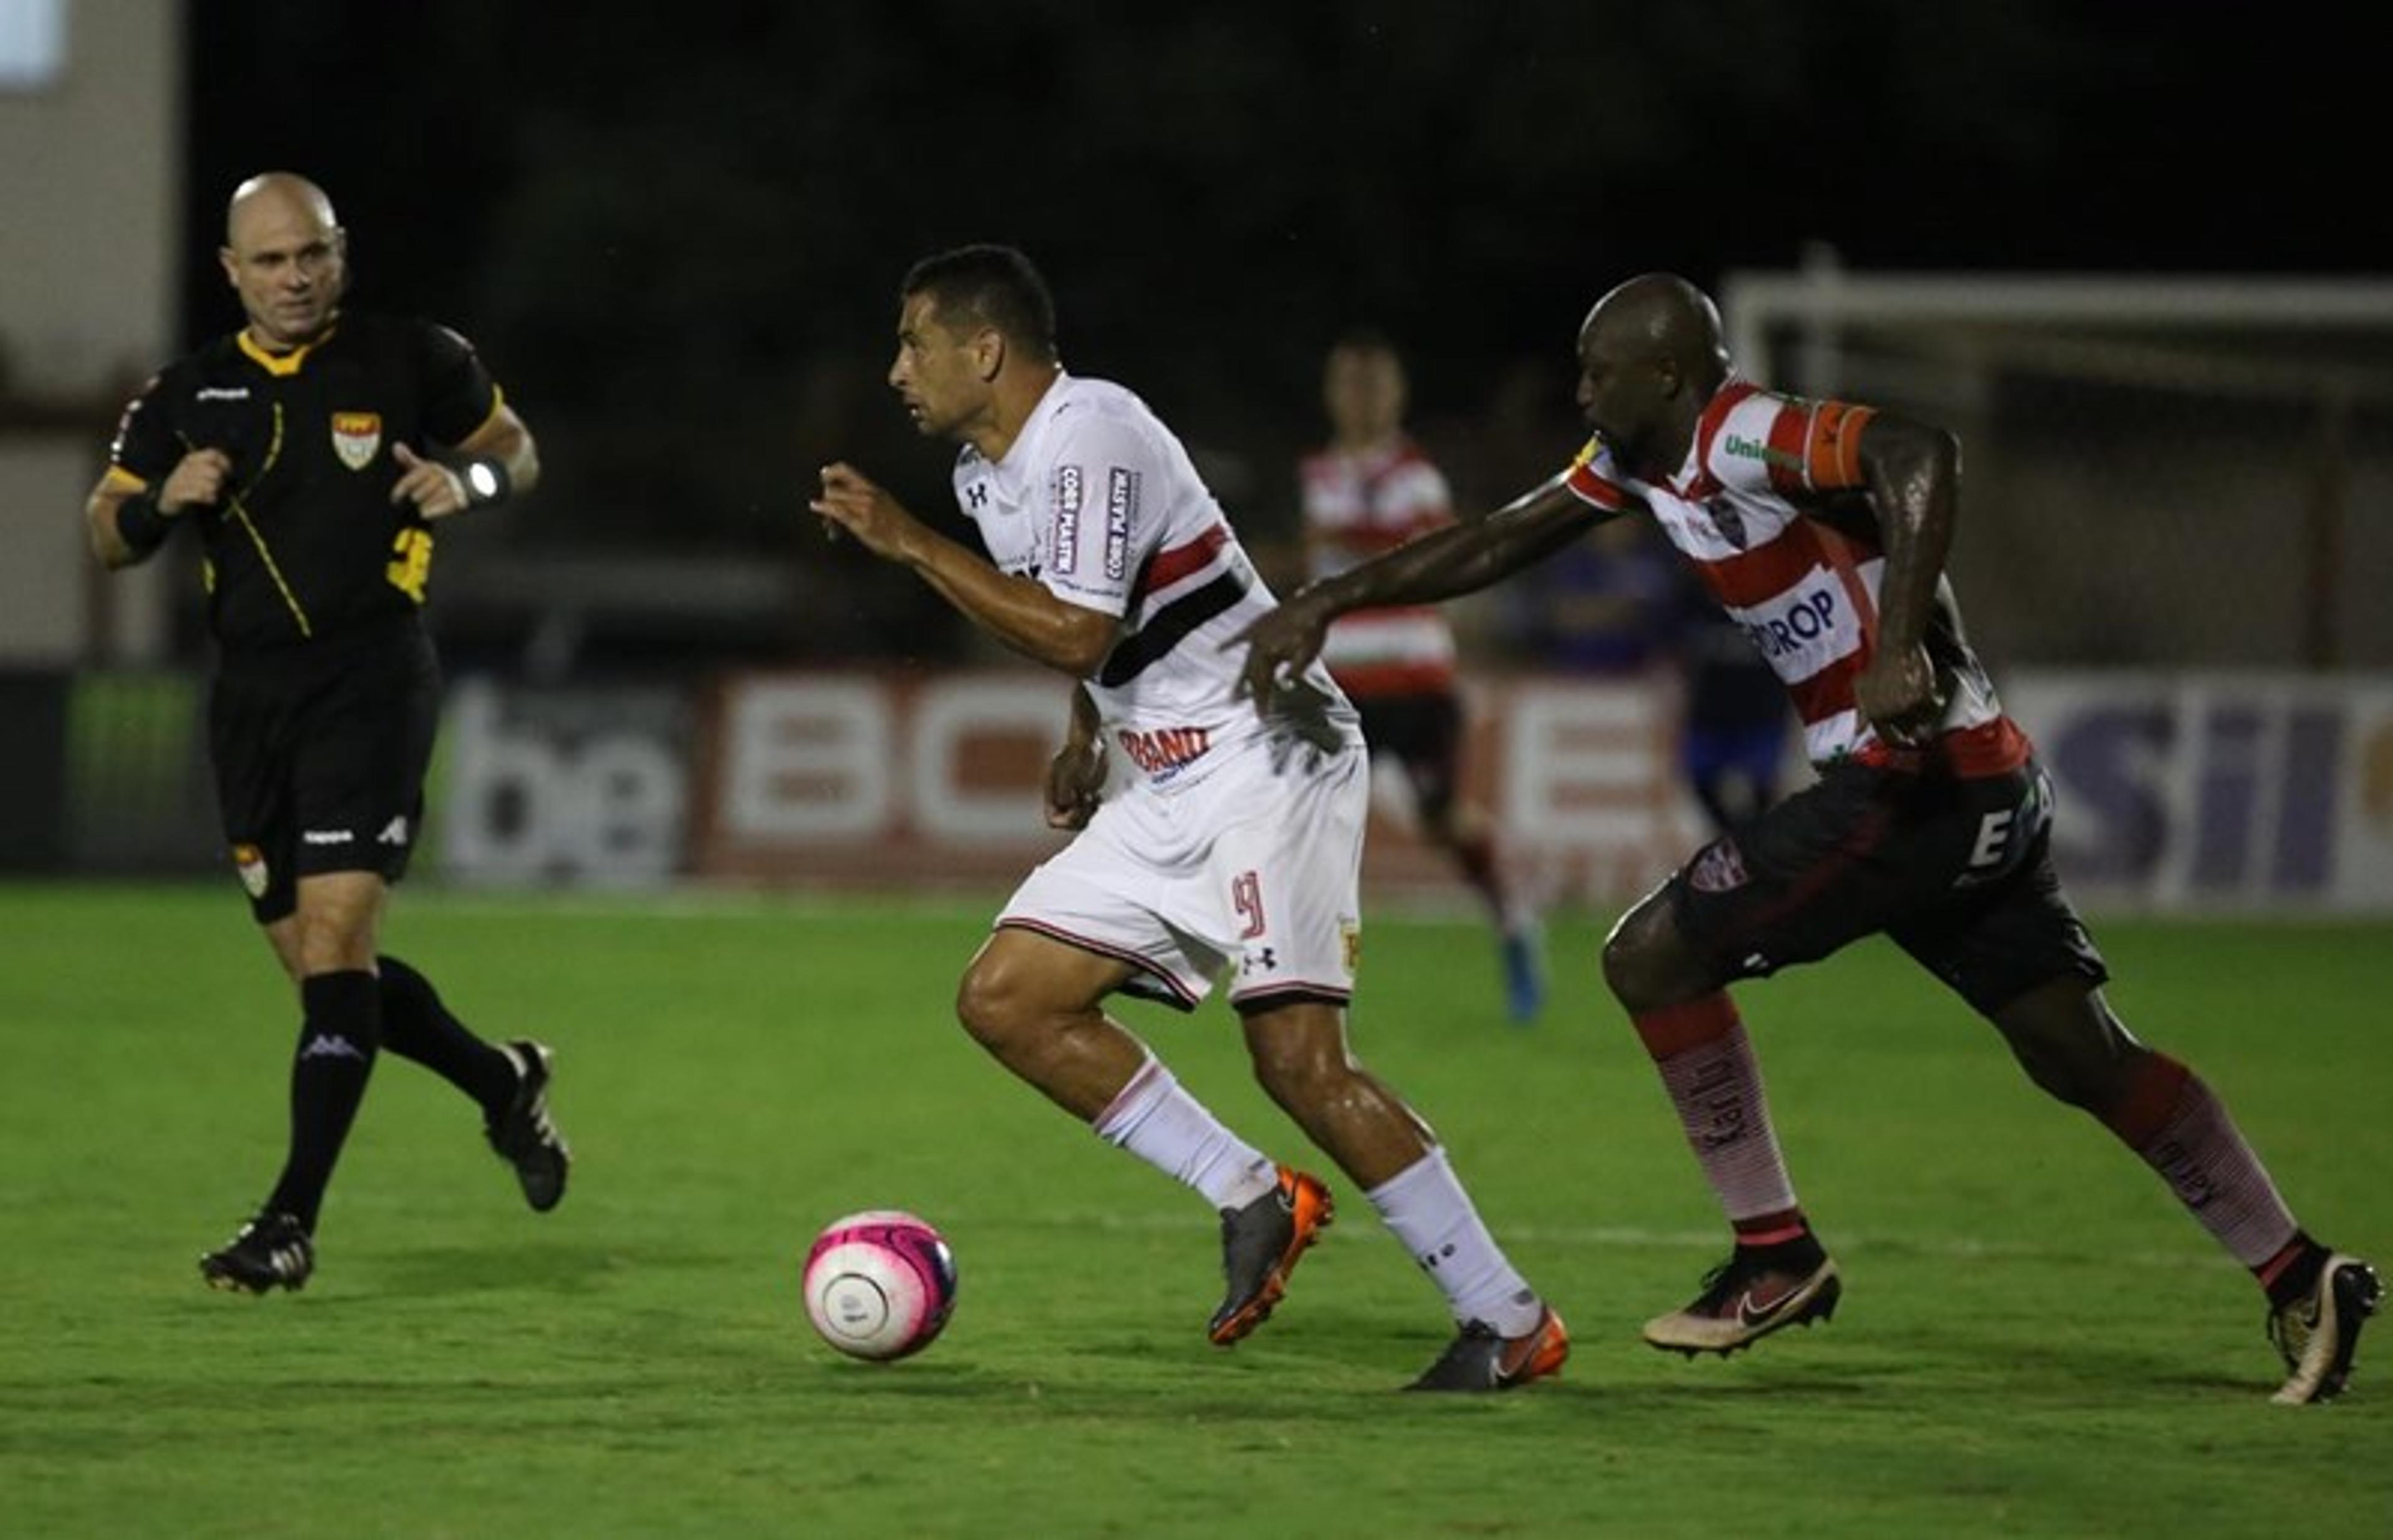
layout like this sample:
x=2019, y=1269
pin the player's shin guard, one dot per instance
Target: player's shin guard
x=1709, y=1068
x=2182, y=1130
x=336, y=1056
x=417, y=1026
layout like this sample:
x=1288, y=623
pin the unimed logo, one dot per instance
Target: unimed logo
x=1754, y=449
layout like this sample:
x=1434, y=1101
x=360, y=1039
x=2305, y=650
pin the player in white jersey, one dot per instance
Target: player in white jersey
x=1229, y=843
x=1822, y=527
x=1367, y=491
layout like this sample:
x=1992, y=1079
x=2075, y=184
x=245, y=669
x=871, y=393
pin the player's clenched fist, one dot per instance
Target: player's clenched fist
x=197, y=480
x=1076, y=783
x=851, y=500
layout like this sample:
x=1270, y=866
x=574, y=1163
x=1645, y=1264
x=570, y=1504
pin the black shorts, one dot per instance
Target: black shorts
x=319, y=764
x=1424, y=735
x=1958, y=872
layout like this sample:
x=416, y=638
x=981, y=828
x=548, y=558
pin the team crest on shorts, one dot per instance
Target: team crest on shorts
x=1719, y=867
x=250, y=863
x=356, y=437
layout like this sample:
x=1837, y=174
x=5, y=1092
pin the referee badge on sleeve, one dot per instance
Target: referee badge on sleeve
x=356, y=437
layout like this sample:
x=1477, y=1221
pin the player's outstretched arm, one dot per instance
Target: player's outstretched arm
x=1460, y=558
x=1018, y=611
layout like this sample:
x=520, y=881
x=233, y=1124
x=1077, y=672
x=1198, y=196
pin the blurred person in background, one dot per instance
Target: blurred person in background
x=1734, y=723
x=1823, y=526
x=1369, y=490
x=1621, y=603
x=1230, y=847
x=310, y=453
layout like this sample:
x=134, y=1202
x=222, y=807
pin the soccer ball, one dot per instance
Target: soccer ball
x=880, y=1284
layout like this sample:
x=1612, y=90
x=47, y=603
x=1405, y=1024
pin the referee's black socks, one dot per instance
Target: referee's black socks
x=416, y=1025
x=337, y=1043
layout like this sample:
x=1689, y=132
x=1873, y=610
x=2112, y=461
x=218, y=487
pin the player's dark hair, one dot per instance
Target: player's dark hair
x=987, y=285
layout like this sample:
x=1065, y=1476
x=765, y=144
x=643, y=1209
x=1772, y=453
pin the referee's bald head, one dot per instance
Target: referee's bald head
x=276, y=192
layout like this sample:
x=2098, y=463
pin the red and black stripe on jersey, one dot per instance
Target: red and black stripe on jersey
x=1157, y=633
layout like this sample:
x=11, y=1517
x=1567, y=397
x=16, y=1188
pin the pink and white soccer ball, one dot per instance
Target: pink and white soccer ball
x=880, y=1284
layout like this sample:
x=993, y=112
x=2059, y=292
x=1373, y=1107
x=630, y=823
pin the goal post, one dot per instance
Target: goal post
x=2159, y=470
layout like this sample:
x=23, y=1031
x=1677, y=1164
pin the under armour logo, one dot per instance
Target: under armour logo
x=332, y=1045
x=976, y=495
x=1263, y=958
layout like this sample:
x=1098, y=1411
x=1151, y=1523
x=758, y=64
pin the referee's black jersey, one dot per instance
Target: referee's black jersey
x=305, y=545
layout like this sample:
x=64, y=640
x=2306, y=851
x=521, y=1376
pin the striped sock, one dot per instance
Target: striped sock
x=1715, y=1082
x=2181, y=1129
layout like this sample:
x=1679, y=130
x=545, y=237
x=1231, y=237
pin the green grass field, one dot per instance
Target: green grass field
x=2034, y=1340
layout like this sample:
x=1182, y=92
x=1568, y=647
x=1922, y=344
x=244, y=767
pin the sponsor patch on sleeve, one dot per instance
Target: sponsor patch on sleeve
x=1070, y=493
x=1121, y=514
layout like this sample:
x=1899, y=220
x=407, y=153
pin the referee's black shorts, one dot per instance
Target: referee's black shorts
x=1957, y=871
x=319, y=762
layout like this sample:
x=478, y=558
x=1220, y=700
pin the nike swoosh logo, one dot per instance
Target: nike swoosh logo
x=1751, y=1314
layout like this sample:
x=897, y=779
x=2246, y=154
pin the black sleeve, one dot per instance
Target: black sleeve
x=459, y=395
x=146, y=442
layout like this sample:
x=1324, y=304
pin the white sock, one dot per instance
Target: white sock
x=1164, y=1126
x=1426, y=1207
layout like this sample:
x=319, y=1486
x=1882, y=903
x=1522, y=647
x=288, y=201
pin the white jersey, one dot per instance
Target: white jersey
x=1098, y=502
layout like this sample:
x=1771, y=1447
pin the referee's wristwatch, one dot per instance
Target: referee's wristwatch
x=486, y=481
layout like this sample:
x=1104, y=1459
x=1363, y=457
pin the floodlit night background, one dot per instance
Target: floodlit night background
x=2154, y=312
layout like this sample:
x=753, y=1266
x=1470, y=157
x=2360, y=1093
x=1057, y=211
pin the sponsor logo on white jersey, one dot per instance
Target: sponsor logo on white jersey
x=1161, y=751
x=1121, y=511
x=1805, y=629
x=1070, y=490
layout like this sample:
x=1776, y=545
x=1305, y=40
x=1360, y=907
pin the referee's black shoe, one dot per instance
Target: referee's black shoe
x=271, y=1251
x=524, y=1137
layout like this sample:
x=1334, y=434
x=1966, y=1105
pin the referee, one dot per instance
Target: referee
x=311, y=454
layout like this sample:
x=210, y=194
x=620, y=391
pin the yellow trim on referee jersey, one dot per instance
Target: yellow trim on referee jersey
x=498, y=404
x=281, y=364
x=239, y=511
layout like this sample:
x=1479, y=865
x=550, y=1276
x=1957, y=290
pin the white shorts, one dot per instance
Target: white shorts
x=1253, y=871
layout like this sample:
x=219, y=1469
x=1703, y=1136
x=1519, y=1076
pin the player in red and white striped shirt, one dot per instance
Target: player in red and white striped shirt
x=1821, y=527
x=1366, y=491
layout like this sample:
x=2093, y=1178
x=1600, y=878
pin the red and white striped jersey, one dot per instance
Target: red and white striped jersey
x=1098, y=502
x=1769, y=507
x=1358, y=505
